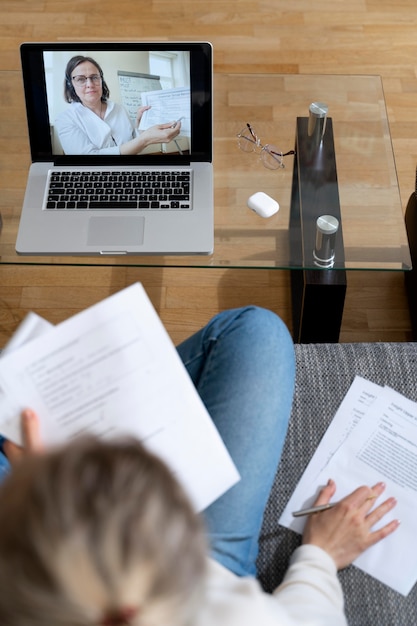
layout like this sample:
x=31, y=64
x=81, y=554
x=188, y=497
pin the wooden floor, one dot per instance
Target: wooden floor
x=326, y=36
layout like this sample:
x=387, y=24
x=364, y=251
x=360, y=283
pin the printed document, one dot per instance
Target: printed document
x=167, y=105
x=112, y=370
x=372, y=438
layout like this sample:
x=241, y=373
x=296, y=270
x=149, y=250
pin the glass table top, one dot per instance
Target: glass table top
x=374, y=233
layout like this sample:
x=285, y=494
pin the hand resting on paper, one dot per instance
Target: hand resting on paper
x=30, y=435
x=345, y=531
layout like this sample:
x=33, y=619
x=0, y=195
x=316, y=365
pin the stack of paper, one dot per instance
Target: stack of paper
x=372, y=438
x=112, y=370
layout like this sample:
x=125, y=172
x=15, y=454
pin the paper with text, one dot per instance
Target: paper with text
x=167, y=105
x=380, y=446
x=112, y=370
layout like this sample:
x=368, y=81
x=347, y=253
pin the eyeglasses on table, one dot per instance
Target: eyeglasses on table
x=271, y=156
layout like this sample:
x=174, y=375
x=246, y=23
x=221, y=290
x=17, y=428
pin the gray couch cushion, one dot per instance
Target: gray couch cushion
x=324, y=374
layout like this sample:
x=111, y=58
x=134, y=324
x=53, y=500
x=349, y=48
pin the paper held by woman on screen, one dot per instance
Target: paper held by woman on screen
x=167, y=104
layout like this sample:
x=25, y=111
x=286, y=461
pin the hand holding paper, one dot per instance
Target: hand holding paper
x=113, y=370
x=31, y=438
x=167, y=105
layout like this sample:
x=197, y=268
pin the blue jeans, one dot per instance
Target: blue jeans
x=242, y=364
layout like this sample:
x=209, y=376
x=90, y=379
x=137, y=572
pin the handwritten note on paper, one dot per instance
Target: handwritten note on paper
x=112, y=370
x=381, y=446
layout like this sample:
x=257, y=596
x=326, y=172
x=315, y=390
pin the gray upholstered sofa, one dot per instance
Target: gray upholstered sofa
x=324, y=374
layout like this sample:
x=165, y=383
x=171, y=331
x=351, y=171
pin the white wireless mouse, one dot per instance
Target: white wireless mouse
x=262, y=204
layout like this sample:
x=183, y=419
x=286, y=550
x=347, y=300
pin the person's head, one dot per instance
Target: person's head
x=84, y=77
x=97, y=534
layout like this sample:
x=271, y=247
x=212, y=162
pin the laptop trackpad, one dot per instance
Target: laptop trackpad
x=115, y=231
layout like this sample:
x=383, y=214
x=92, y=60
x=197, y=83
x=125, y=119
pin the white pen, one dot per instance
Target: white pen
x=177, y=121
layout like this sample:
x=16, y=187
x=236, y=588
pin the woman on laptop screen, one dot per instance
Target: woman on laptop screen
x=93, y=124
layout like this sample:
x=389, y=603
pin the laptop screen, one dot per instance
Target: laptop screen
x=110, y=102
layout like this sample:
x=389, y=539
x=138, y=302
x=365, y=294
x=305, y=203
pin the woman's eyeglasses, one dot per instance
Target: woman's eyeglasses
x=81, y=80
x=271, y=156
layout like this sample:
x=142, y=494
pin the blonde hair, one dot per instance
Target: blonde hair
x=95, y=527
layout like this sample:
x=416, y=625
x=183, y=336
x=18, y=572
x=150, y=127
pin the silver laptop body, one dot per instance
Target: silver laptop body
x=174, y=82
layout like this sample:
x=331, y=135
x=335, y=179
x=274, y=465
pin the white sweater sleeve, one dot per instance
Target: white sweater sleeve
x=310, y=595
x=311, y=590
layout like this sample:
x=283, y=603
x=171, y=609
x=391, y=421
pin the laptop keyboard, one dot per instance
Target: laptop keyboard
x=110, y=189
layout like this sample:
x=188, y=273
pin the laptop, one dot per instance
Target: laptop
x=121, y=141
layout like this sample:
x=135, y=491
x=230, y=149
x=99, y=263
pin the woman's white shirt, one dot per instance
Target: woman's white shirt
x=81, y=131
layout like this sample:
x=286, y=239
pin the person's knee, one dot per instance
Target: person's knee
x=270, y=340
x=266, y=326
x=253, y=336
